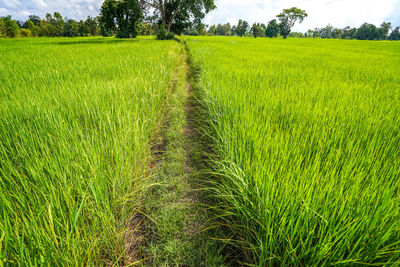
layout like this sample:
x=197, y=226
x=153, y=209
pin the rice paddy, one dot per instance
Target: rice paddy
x=77, y=118
x=299, y=145
x=307, y=141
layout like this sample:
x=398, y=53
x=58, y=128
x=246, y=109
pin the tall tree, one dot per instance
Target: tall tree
x=242, y=28
x=168, y=10
x=122, y=16
x=327, y=32
x=288, y=18
x=256, y=30
x=367, y=32
x=272, y=29
x=93, y=25
x=35, y=19
x=58, y=23
x=9, y=27
x=71, y=28
x=35, y=29
x=395, y=34
x=383, y=31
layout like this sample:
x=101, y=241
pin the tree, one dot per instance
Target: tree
x=223, y=30
x=9, y=27
x=346, y=32
x=337, y=33
x=242, y=28
x=383, y=31
x=146, y=29
x=296, y=35
x=367, y=32
x=353, y=33
x=71, y=28
x=35, y=19
x=122, y=16
x=256, y=30
x=30, y=25
x=200, y=28
x=327, y=32
x=84, y=29
x=272, y=29
x=264, y=27
x=58, y=23
x=169, y=10
x=212, y=30
x=288, y=18
x=93, y=25
x=395, y=34
x=49, y=27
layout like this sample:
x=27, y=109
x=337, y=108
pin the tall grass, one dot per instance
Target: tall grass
x=76, y=120
x=307, y=142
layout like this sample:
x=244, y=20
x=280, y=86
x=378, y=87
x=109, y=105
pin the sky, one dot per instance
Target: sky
x=339, y=13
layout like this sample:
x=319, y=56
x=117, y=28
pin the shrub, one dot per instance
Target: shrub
x=163, y=34
x=25, y=33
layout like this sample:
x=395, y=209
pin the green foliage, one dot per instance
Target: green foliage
x=272, y=29
x=304, y=148
x=75, y=144
x=25, y=33
x=288, y=18
x=242, y=28
x=8, y=27
x=223, y=30
x=176, y=15
x=383, y=31
x=257, y=30
x=146, y=29
x=92, y=26
x=35, y=19
x=395, y=34
x=121, y=16
x=71, y=28
x=35, y=29
x=163, y=34
x=367, y=32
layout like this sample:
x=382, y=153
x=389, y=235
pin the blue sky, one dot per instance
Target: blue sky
x=339, y=13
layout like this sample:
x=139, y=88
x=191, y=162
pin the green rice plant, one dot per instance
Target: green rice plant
x=306, y=135
x=77, y=117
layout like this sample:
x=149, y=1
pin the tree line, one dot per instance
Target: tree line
x=273, y=29
x=365, y=32
x=50, y=26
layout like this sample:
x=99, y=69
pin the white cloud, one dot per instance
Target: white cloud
x=10, y=3
x=339, y=13
x=76, y=9
x=40, y=3
x=3, y=12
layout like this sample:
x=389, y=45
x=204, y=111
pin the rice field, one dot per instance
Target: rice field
x=77, y=120
x=302, y=146
x=306, y=141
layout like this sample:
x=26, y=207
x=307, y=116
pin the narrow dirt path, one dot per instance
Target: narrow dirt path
x=177, y=236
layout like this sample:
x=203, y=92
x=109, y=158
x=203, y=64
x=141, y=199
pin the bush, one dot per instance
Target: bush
x=163, y=34
x=25, y=33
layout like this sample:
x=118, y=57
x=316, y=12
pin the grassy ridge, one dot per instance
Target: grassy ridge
x=308, y=147
x=76, y=120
